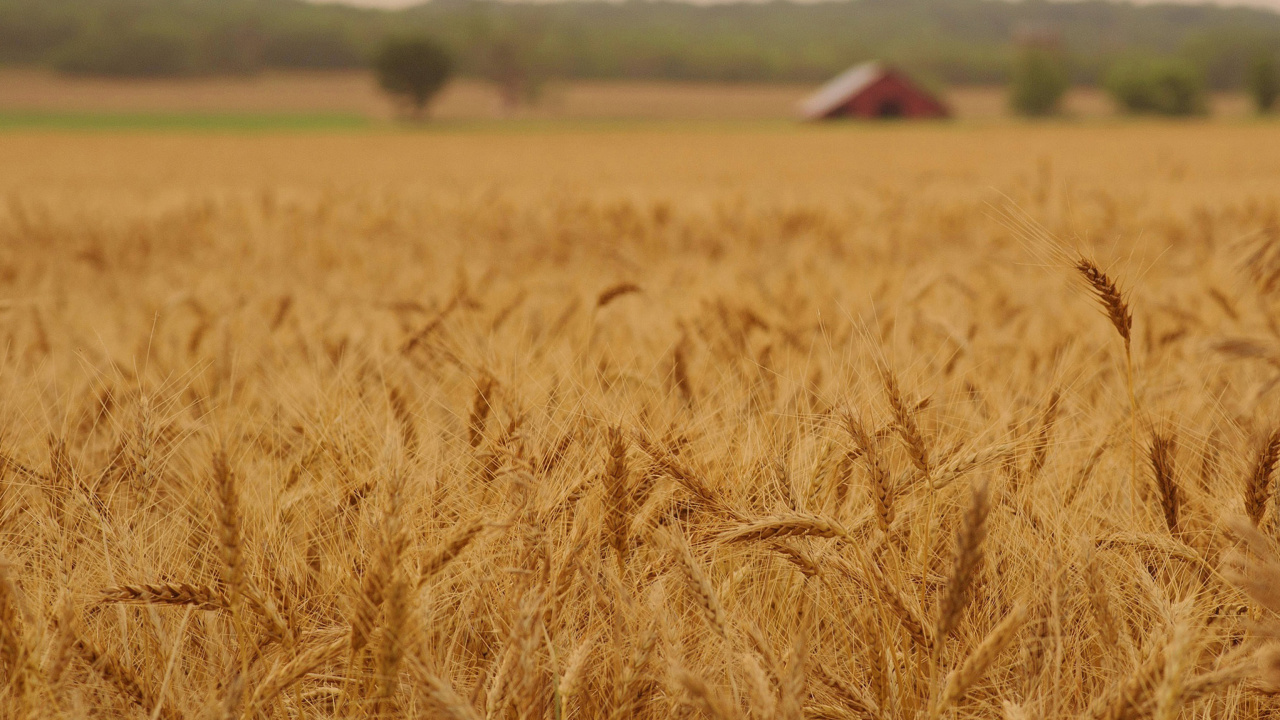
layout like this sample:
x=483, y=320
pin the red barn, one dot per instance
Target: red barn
x=872, y=90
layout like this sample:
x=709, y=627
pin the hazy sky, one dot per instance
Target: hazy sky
x=1275, y=4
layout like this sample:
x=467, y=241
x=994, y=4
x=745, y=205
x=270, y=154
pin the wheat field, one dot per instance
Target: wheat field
x=722, y=422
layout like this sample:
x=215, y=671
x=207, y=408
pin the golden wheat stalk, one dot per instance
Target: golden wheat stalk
x=904, y=422
x=197, y=596
x=702, y=696
x=16, y=653
x=882, y=491
x=396, y=635
x=1128, y=698
x=1217, y=681
x=284, y=676
x=229, y=532
x=614, y=292
x=1099, y=597
x=797, y=557
x=1040, y=450
x=442, y=697
x=229, y=546
x=1109, y=296
x=975, y=666
x=481, y=405
x=696, y=580
x=449, y=552
x=136, y=688
x=854, y=699
x=392, y=541
x=968, y=561
x=617, y=495
x=887, y=593
x=690, y=480
x=787, y=526
x=1257, y=488
x=1179, y=659
x=1116, y=307
x=574, y=668
x=1163, y=449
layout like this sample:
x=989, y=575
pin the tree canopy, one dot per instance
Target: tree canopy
x=413, y=69
x=958, y=41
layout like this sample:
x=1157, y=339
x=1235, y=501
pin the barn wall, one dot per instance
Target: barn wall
x=891, y=88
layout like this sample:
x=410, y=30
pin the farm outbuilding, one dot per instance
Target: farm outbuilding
x=872, y=90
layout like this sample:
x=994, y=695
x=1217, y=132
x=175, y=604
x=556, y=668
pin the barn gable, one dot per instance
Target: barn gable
x=872, y=90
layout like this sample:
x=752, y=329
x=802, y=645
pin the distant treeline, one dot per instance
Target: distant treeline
x=951, y=41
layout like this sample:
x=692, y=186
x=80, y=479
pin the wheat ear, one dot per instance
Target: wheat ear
x=877, y=472
x=963, y=678
x=779, y=527
x=964, y=571
x=614, y=292
x=697, y=582
x=1163, y=449
x=1179, y=657
x=1258, y=484
x=853, y=698
x=968, y=560
x=442, y=697
x=1116, y=308
x=200, y=597
x=1100, y=600
x=284, y=676
x=904, y=422
x=449, y=552
x=396, y=636
x=480, y=407
x=1040, y=451
x=1128, y=699
x=131, y=685
x=16, y=656
x=617, y=494
x=702, y=697
x=229, y=538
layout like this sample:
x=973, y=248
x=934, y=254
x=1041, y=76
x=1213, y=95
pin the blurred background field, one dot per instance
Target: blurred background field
x=74, y=61
x=352, y=99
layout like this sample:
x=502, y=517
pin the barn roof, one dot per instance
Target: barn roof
x=841, y=88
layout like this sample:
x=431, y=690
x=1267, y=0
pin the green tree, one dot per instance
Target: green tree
x=1160, y=86
x=1264, y=82
x=413, y=69
x=1038, y=82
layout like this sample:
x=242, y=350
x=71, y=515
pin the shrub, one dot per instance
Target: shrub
x=1264, y=82
x=1158, y=86
x=413, y=69
x=1038, y=82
